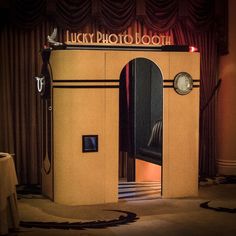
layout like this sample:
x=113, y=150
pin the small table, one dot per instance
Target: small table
x=9, y=216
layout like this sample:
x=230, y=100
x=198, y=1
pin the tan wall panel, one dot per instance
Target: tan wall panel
x=89, y=178
x=181, y=132
x=185, y=61
x=111, y=145
x=75, y=64
x=180, y=167
x=78, y=177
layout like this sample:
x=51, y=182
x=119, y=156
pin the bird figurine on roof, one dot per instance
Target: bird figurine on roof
x=52, y=38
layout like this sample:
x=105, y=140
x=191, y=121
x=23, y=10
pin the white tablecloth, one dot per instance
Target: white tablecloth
x=9, y=217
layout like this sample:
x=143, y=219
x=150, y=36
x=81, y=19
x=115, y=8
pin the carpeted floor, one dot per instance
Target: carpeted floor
x=150, y=217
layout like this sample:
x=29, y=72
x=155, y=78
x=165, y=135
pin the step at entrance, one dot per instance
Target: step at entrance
x=131, y=191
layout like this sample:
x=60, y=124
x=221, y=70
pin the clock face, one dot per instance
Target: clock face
x=183, y=83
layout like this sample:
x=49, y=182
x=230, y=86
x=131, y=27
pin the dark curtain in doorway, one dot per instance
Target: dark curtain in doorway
x=126, y=158
x=126, y=112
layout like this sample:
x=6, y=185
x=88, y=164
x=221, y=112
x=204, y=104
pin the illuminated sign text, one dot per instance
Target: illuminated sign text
x=116, y=39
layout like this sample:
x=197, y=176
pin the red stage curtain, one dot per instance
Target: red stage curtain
x=23, y=34
x=158, y=15
x=73, y=14
x=27, y=14
x=161, y=15
x=20, y=117
x=116, y=15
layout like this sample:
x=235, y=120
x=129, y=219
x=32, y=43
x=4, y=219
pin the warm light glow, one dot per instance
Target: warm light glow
x=146, y=171
x=193, y=49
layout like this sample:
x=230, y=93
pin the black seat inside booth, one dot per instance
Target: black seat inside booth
x=153, y=151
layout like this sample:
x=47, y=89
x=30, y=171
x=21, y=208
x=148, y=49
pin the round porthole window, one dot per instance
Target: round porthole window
x=183, y=83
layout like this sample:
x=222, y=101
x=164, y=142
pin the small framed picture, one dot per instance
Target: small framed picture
x=89, y=143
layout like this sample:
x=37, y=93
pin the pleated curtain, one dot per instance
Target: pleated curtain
x=23, y=33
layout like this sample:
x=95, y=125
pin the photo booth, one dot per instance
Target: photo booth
x=81, y=147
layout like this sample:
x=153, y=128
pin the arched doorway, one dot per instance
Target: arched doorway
x=140, y=122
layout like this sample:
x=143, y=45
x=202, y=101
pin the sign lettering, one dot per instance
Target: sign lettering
x=100, y=38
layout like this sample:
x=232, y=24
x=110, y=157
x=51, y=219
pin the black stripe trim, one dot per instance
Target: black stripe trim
x=83, y=81
x=168, y=80
x=114, y=47
x=86, y=86
x=171, y=86
x=110, y=80
x=106, y=86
